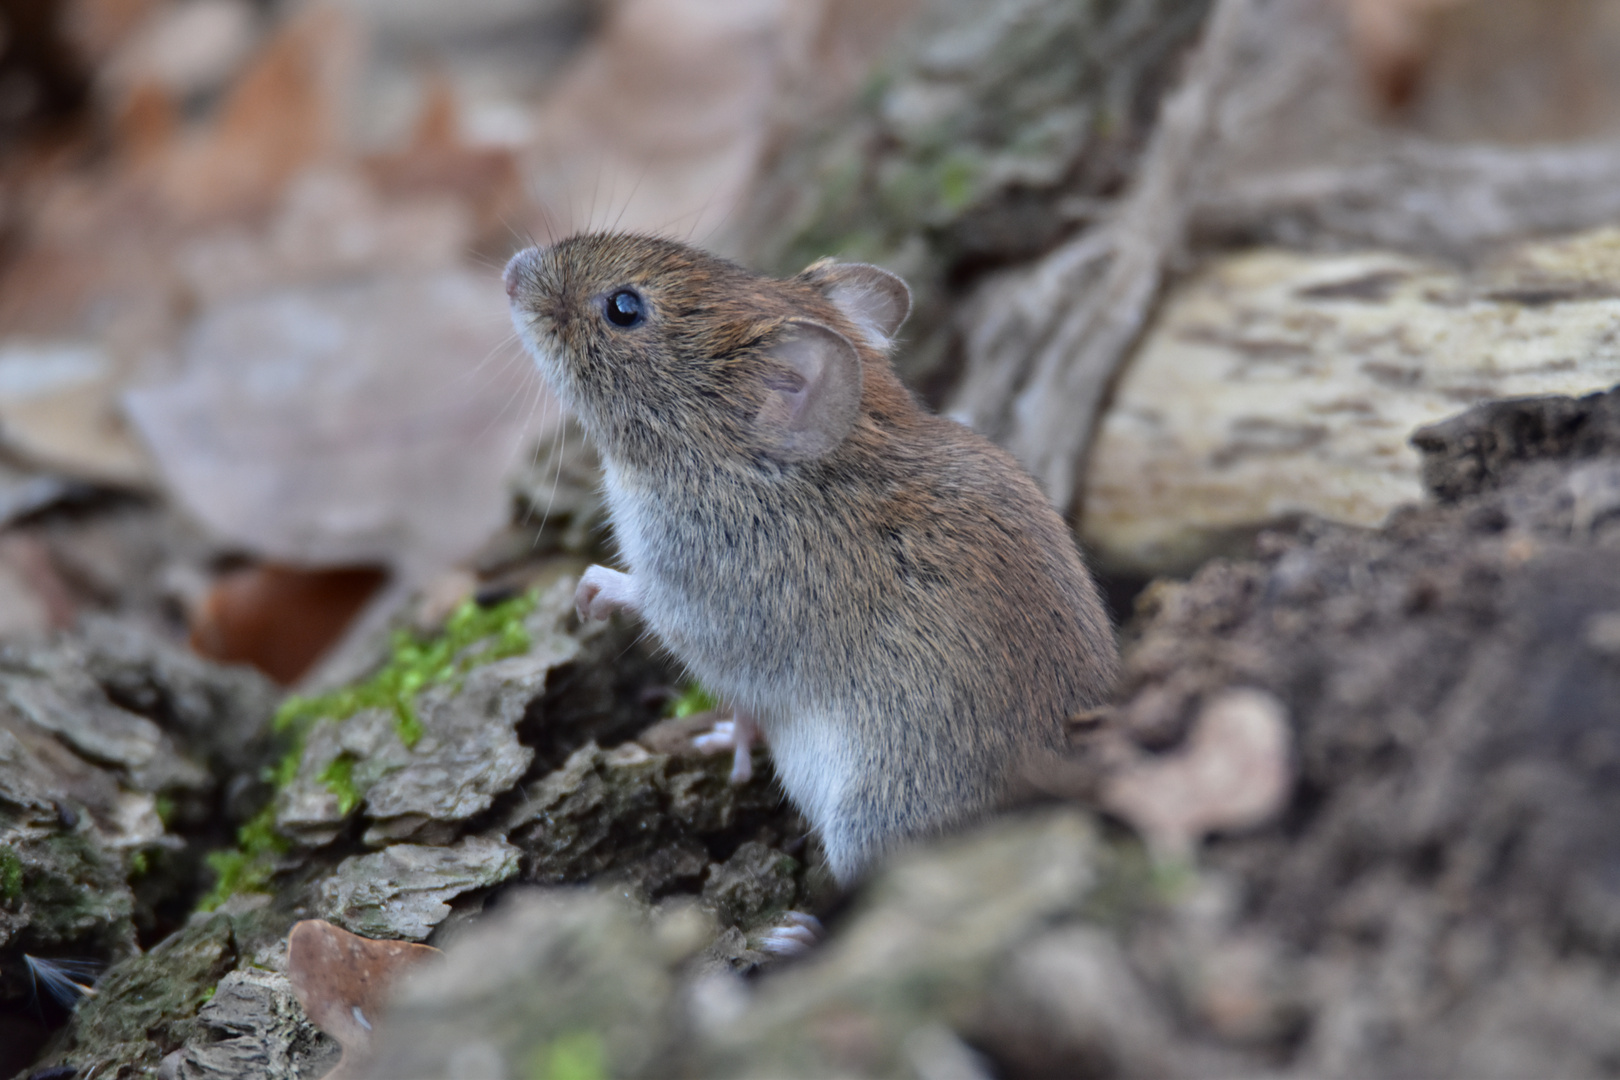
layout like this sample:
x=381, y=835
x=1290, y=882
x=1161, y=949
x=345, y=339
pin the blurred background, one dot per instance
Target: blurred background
x=255, y=361
x=1204, y=266
x=256, y=372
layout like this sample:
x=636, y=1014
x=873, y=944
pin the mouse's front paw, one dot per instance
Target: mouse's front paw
x=797, y=935
x=602, y=591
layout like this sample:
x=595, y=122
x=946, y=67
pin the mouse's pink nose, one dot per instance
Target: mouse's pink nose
x=516, y=268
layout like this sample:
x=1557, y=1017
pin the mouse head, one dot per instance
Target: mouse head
x=663, y=350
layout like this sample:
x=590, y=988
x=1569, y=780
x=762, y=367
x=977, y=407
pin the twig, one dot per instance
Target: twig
x=1044, y=345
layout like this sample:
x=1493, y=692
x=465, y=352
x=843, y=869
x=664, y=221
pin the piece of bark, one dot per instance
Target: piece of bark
x=1275, y=385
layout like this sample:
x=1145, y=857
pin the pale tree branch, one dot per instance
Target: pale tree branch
x=1044, y=344
x=1422, y=196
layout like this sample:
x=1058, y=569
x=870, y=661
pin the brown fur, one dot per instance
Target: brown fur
x=906, y=605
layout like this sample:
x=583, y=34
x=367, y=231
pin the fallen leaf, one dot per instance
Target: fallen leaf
x=342, y=980
x=145, y=124
x=1233, y=772
x=58, y=410
x=661, y=123
x=438, y=163
x=186, y=48
x=99, y=28
x=282, y=115
x=280, y=619
x=330, y=224
x=356, y=422
x=1392, y=40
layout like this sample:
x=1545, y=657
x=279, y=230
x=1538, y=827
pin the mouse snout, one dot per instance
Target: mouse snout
x=518, y=268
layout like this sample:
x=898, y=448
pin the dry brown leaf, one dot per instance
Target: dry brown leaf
x=355, y=422
x=484, y=179
x=1392, y=40
x=342, y=980
x=94, y=253
x=283, y=114
x=331, y=224
x=187, y=48
x=146, y=124
x=661, y=123
x=59, y=410
x=280, y=619
x=1233, y=772
x=99, y=28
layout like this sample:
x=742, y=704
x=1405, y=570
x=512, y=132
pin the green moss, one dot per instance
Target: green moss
x=145, y=1005
x=1132, y=883
x=11, y=876
x=958, y=183
x=694, y=699
x=164, y=806
x=576, y=1055
x=73, y=885
x=338, y=776
x=472, y=636
x=139, y=864
x=250, y=865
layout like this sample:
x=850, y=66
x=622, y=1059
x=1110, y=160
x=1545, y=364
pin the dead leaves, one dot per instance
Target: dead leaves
x=292, y=323
x=280, y=619
x=370, y=421
x=282, y=115
x=1509, y=70
x=1232, y=772
x=661, y=122
x=343, y=980
x=59, y=411
x=1392, y=40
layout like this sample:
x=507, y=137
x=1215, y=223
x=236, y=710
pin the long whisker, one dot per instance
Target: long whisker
x=537, y=455
x=725, y=219
x=556, y=474
x=64, y=981
x=635, y=187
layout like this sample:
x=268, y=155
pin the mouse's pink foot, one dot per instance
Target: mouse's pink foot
x=797, y=935
x=602, y=591
x=739, y=734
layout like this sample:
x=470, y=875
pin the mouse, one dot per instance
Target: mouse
x=882, y=594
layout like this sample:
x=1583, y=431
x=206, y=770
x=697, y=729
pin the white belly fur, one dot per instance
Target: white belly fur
x=813, y=753
x=814, y=758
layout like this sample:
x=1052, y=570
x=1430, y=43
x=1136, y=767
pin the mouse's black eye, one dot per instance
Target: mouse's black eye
x=625, y=308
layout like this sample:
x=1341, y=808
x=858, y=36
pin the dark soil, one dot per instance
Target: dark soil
x=1442, y=896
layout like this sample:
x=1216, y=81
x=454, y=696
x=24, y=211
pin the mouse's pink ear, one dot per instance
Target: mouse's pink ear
x=873, y=299
x=812, y=391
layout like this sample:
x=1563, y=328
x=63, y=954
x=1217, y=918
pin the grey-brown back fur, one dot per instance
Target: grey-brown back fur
x=906, y=615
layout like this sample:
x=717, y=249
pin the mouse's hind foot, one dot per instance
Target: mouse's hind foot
x=739, y=734
x=796, y=935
